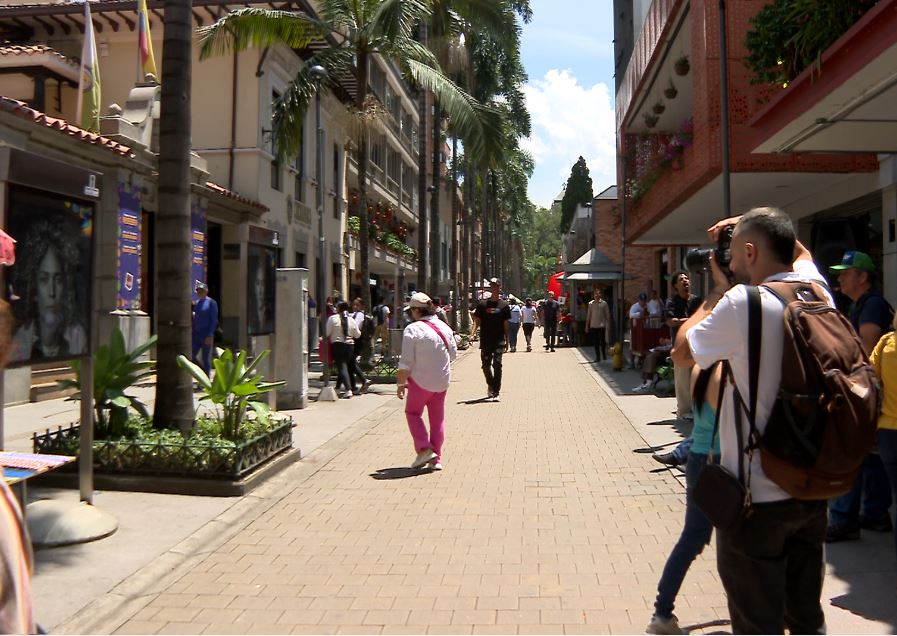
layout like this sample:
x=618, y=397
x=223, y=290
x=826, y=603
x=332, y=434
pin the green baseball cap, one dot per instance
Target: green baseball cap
x=855, y=259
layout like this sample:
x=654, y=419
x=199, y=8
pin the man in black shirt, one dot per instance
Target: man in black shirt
x=491, y=318
x=679, y=307
x=550, y=311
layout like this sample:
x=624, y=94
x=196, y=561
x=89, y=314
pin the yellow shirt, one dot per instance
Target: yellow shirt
x=884, y=359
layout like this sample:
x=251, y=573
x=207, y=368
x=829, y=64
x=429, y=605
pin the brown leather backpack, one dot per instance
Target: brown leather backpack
x=824, y=419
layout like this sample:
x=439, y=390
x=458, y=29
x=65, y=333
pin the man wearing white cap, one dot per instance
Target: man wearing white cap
x=425, y=370
x=491, y=318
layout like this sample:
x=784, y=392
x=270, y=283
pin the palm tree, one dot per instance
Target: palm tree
x=174, y=389
x=355, y=31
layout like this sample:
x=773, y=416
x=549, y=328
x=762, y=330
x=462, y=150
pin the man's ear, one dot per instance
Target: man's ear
x=750, y=252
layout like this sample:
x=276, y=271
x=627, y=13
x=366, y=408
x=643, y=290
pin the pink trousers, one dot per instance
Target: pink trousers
x=416, y=399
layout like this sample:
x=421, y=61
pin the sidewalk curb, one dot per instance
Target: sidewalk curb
x=107, y=613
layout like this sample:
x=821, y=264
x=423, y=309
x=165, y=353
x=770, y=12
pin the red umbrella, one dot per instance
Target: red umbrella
x=554, y=284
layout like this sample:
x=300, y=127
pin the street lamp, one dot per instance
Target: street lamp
x=318, y=75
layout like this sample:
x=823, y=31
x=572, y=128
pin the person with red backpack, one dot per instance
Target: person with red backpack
x=768, y=496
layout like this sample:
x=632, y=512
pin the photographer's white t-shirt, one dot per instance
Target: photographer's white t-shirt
x=723, y=335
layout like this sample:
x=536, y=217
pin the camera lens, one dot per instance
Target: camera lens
x=697, y=260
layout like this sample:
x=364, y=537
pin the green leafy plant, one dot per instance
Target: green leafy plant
x=235, y=388
x=670, y=91
x=115, y=370
x=658, y=107
x=682, y=66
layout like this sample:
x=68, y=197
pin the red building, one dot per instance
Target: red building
x=669, y=122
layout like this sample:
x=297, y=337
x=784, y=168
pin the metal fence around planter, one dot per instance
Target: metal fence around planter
x=134, y=457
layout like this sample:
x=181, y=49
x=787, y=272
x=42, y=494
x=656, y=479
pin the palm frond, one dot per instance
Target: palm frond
x=251, y=27
x=395, y=19
x=290, y=109
x=478, y=125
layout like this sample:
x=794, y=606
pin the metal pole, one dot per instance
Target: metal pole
x=724, y=106
x=85, y=459
x=621, y=329
x=319, y=202
x=317, y=75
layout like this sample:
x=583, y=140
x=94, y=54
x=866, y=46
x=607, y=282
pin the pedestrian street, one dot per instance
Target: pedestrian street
x=544, y=520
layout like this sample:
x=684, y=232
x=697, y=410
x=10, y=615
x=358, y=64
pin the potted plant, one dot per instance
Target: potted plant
x=650, y=119
x=682, y=67
x=670, y=91
x=658, y=107
x=115, y=370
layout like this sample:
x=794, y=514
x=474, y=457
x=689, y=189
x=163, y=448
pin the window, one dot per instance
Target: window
x=299, y=166
x=275, y=175
x=300, y=259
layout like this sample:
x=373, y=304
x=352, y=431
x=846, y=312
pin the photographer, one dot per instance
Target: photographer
x=771, y=562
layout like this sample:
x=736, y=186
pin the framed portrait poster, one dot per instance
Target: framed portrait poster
x=260, y=291
x=49, y=287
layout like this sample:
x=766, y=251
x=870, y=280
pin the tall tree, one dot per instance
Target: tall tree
x=578, y=192
x=354, y=31
x=174, y=388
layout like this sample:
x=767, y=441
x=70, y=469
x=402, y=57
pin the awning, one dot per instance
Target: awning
x=592, y=276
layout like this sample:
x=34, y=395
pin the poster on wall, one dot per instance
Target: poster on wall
x=49, y=287
x=262, y=269
x=198, y=244
x=129, y=247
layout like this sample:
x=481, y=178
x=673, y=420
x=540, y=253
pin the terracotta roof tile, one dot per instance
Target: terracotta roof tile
x=23, y=50
x=211, y=185
x=24, y=111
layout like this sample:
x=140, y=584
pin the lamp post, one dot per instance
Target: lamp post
x=724, y=107
x=318, y=75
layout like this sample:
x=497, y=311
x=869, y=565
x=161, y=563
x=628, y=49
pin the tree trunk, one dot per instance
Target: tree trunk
x=361, y=77
x=422, y=237
x=174, y=387
x=435, y=242
x=484, y=239
x=455, y=267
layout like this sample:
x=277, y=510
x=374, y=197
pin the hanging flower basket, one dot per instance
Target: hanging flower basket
x=682, y=66
x=650, y=120
x=658, y=108
x=670, y=91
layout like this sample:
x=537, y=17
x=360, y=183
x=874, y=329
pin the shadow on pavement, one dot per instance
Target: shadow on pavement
x=707, y=624
x=402, y=472
x=867, y=567
x=482, y=400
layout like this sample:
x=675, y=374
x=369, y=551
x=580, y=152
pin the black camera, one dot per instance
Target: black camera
x=698, y=260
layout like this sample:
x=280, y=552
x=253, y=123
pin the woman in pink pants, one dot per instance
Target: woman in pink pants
x=425, y=369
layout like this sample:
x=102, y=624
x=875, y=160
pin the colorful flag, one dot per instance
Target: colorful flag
x=144, y=40
x=89, y=85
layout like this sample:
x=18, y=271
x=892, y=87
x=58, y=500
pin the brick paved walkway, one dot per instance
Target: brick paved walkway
x=543, y=521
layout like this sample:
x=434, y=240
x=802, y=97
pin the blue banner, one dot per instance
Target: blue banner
x=129, y=247
x=198, y=242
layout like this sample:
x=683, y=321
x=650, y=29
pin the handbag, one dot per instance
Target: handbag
x=723, y=497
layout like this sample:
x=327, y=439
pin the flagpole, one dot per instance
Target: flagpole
x=79, y=106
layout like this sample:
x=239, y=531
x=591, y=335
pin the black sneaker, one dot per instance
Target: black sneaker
x=667, y=459
x=882, y=524
x=842, y=532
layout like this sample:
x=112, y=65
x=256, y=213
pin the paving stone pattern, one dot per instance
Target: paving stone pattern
x=543, y=521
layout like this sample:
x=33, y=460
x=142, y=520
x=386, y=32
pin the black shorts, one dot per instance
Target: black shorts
x=528, y=328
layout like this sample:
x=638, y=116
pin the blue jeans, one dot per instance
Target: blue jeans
x=887, y=447
x=876, y=497
x=513, y=328
x=696, y=532
x=683, y=449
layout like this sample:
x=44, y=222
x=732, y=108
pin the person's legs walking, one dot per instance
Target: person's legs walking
x=355, y=368
x=696, y=532
x=844, y=513
x=415, y=400
x=436, y=415
x=496, y=369
x=551, y=332
x=528, y=328
x=486, y=362
x=602, y=342
x=513, y=328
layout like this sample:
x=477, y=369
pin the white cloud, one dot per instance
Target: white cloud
x=569, y=120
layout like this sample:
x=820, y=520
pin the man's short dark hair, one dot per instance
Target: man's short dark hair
x=674, y=278
x=776, y=227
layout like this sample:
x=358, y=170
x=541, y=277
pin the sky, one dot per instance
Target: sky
x=568, y=53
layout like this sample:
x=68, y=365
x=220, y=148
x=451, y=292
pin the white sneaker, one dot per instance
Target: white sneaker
x=495, y=397
x=642, y=388
x=423, y=457
x=435, y=466
x=660, y=625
